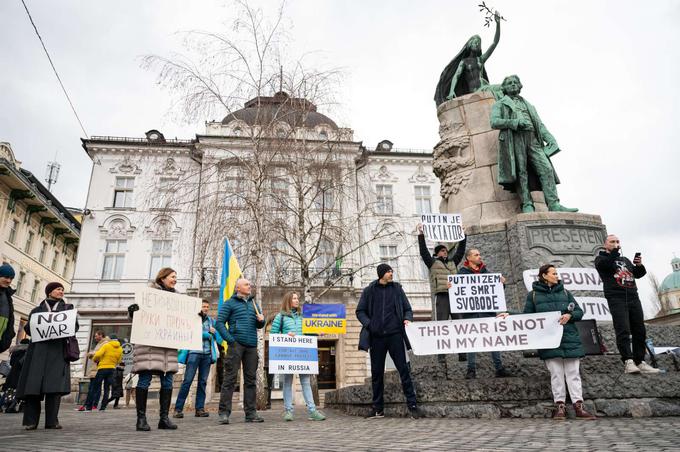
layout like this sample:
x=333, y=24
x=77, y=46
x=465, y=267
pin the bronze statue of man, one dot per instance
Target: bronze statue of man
x=466, y=74
x=524, y=149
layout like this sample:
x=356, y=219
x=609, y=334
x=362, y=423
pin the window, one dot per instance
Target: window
x=384, y=198
x=20, y=282
x=279, y=186
x=55, y=261
x=325, y=257
x=423, y=199
x=43, y=252
x=66, y=264
x=114, y=259
x=29, y=242
x=323, y=135
x=122, y=196
x=14, y=226
x=324, y=197
x=388, y=255
x=34, y=291
x=161, y=256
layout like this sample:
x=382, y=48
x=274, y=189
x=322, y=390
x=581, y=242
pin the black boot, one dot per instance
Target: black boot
x=140, y=402
x=164, y=399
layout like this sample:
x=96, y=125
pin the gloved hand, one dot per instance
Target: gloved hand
x=132, y=308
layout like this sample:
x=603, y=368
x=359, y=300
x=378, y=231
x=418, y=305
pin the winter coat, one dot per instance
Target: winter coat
x=45, y=371
x=8, y=334
x=364, y=312
x=156, y=360
x=109, y=355
x=618, y=274
x=441, y=268
x=214, y=338
x=556, y=298
x=285, y=323
x=240, y=314
x=92, y=372
x=466, y=269
x=117, y=386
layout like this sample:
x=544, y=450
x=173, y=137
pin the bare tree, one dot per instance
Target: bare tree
x=654, y=299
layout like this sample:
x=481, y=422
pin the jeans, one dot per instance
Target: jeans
x=471, y=357
x=237, y=354
x=94, y=393
x=305, y=382
x=628, y=320
x=145, y=380
x=394, y=345
x=200, y=362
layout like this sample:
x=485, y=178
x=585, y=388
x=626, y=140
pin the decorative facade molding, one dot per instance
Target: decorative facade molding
x=384, y=175
x=163, y=227
x=126, y=166
x=170, y=168
x=117, y=227
x=421, y=176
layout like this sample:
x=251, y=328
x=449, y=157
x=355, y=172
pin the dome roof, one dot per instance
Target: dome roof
x=294, y=111
x=672, y=281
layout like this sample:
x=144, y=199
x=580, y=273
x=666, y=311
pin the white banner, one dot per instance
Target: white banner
x=517, y=332
x=46, y=326
x=595, y=308
x=167, y=319
x=293, y=354
x=477, y=293
x=572, y=278
x=444, y=227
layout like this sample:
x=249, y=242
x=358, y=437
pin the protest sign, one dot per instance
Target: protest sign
x=167, y=319
x=46, y=326
x=293, y=354
x=594, y=308
x=572, y=278
x=444, y=227
x=477, y=292
x=517, y=332
x=128, y=357
x=324, y=319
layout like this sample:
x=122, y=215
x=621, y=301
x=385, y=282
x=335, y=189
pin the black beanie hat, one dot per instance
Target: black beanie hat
x=382, y=269
x=51, y=286
x=438, y=248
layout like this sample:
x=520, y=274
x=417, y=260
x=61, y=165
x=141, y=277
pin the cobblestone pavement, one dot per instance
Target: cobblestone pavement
x=114, y=430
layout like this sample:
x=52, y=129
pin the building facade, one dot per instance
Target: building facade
x=669, y=296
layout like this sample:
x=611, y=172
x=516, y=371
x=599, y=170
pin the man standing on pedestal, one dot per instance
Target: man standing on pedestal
x=525, y=148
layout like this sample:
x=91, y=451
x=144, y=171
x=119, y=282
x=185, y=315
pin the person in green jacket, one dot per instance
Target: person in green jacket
x=289, y=321
x=549, y=294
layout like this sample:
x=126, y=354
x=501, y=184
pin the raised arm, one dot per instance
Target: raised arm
x=460, y=252
x=424, y=252
x=496, y=39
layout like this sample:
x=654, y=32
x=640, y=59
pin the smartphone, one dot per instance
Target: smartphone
x=637, y=255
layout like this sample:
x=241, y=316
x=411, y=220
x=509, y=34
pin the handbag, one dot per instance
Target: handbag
x=71, y=349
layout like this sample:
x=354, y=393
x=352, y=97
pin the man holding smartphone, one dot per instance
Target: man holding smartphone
x=618, y=276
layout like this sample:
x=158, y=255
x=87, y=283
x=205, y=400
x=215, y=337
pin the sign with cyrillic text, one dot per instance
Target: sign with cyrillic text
x=46, y=326
x=594, y=308
x=443, y=227
x=167, y=319
x=293, y=354
x=516, y=332
x=324, y=319
x=572, y=278
x=478, y=292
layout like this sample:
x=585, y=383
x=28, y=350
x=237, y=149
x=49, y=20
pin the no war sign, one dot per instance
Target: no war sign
x=46, y=326
x=293, y=354
x=477, y=293
x=324, y=319
x=443, y=227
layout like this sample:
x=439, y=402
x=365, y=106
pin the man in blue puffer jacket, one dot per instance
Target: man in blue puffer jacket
x=244, y=318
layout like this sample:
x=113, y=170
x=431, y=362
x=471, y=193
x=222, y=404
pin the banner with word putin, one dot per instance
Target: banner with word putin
x=595, y=308
x=573, y=278
x=293, y=354
x=324, y=319
x=477, y=292
x=167, y=319
x=46, y=326
x=444, y=227
x=516, y=332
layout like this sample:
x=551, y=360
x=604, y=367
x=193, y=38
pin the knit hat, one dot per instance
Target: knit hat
x=382, y=269
x=438, y=248
x=51, y=286
x=7, y=271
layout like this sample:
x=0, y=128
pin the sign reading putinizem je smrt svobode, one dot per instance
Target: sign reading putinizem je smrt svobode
x=478, y=292
x=293, y=354
x=443, y=227
x=324, y=319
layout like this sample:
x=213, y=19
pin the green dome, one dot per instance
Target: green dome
x=672, y=281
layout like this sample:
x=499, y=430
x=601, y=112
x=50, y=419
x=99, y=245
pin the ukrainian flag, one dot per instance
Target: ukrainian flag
x=230, y=273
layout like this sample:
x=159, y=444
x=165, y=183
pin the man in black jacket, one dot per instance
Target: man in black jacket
x=6, y=307
x=618, y=276
x=384, y=311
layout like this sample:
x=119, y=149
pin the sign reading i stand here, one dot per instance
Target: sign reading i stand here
x=293, y=354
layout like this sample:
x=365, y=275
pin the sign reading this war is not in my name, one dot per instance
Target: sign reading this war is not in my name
x=516, y=332
x=46, y=326
x=479, y=292
x=443, y=227
x=293, y=354
x=167, y=319
x=324, y=319
x=572, y=278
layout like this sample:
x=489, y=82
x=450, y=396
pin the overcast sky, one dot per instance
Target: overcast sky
x=603, y=75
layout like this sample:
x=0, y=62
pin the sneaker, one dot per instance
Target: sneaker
x=647, y=369
x=471, y=374
x=178, y=414
x=581, y=412
x=316, y=415
x=288, y=415
x=200, y=412
x=415, y=412
x=81, y=408
x=94, y=408
x=223, y=418
x=560, y=413
x=630, y=367
x=254, y=418
x=502, y=373
x=375, y=414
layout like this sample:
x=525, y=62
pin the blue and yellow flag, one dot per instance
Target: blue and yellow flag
x=230, y=273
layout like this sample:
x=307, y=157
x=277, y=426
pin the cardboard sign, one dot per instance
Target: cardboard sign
x=128, y=357
x=443, y=227
x=572, y=278
x=479, y=292
x=293, y=354
x=594, y=308
x=517, y=332
x=167, y=320
x=324, y=319
x=46, y=326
